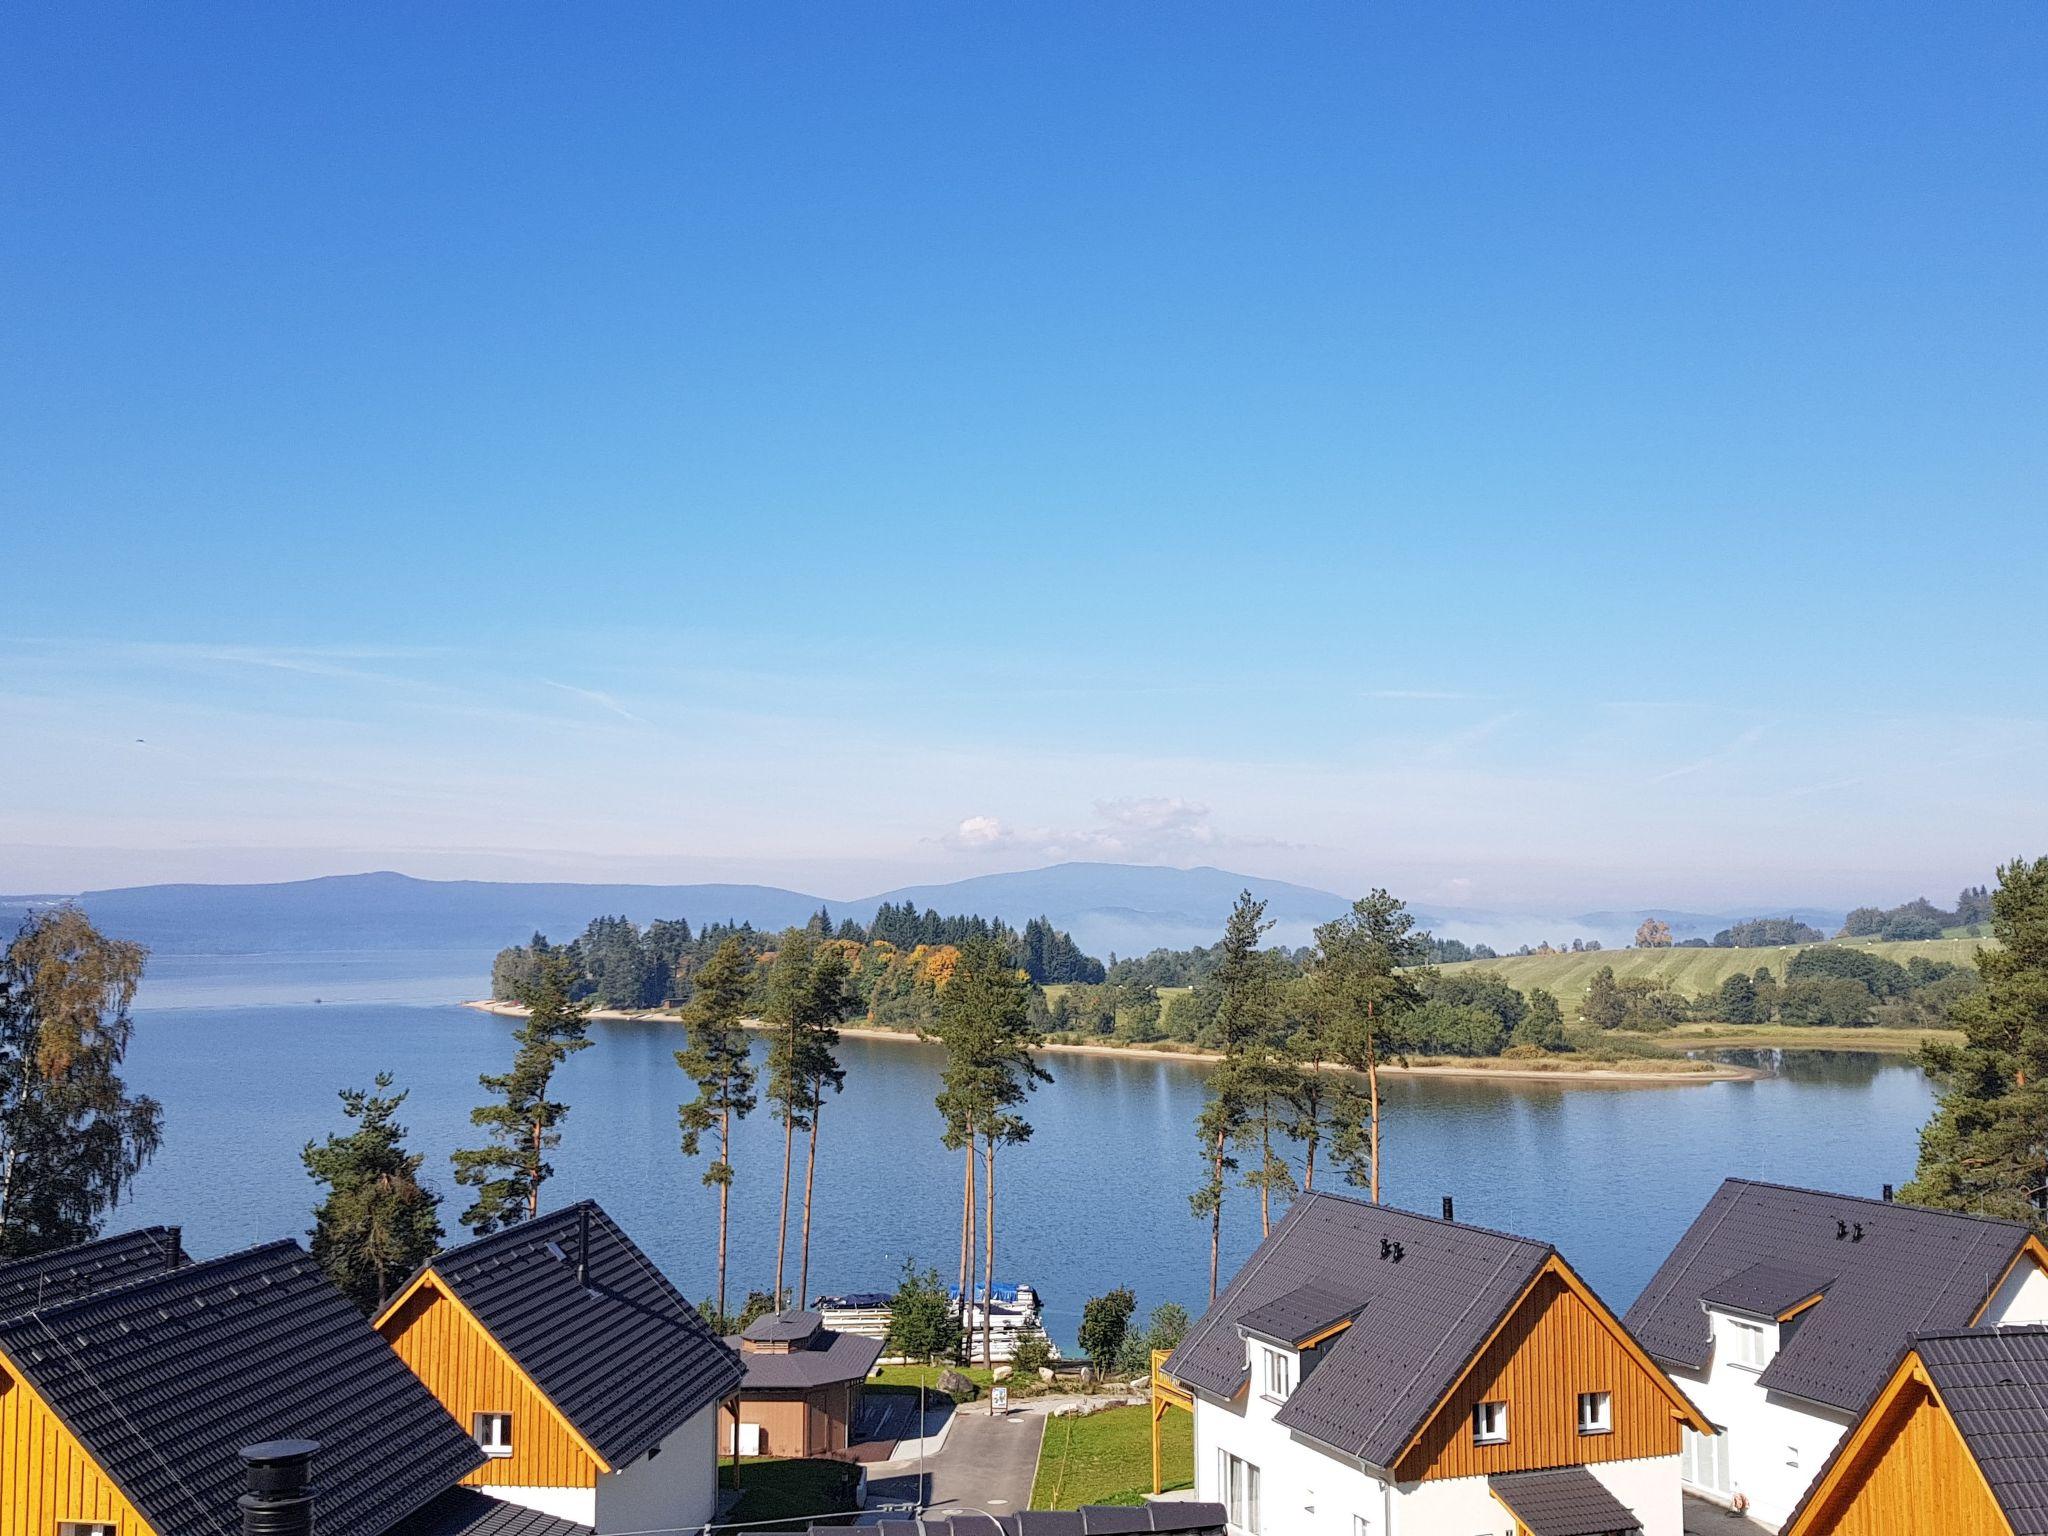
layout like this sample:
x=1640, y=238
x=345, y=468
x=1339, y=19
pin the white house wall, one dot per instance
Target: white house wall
x=673, y=1487
x=1306, y=1491
x=2022, y=1298
x=1776, y=1444
x=577, y=1504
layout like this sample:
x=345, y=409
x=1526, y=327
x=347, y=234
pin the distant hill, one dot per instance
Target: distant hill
x=1691, y=971
x=1121, y=907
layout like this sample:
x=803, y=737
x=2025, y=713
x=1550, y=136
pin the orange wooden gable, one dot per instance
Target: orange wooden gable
x=465, y=1367
x=1903, y=1470
x=1557, y=1341
x=46, y=1476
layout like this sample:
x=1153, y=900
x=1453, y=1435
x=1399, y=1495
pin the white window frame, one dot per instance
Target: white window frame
x=1237, y=1490
x=1490, y=1423
x=1276, y=1374
x=1703, y=1461
x=1601, y=1420
x=492, y=1433
x=86, y=1528
x=1751, y=1345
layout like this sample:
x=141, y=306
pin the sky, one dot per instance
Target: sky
x=1578, y=454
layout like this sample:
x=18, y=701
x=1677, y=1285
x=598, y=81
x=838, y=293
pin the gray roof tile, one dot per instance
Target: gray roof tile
x=1171, y=1517
x=1995, y=1383
x=165, y=1379
x=1766, y=1290
x=1433, y=1293
x=832, y=1356
x=472, y=1512
x=1300, y=1314
x=1563, y=1501
x=626, y=1360
x=782, y=1327
x=53, y=1278
x=1909, y=1271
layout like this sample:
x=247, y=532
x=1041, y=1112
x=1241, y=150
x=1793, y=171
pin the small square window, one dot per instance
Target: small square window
x=85, y=1528
x=493, y=1433
x=1596, y=1413
x=1490, y=1424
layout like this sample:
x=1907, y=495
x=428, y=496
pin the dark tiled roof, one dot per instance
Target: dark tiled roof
x=1300, y=1314
x=1995, y=1383
x=1911, y=1271
x=165, y=1379
x=472, y=1512
x=1426, y=1314
x=1563, y=1501
x=1176, y=1516
x=626, y=1359
x=782, y=1327
x=1766, y=1290
x=53, y=1278
x=832, y=1356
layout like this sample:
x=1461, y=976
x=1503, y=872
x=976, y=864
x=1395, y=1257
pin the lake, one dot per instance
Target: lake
x=1096, y=1199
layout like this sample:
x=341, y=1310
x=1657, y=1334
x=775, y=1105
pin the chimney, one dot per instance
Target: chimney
x=1447, y=1209
x=1887, y=1192
x=583, y=1246
x=175, y=1237
x=280, y=1500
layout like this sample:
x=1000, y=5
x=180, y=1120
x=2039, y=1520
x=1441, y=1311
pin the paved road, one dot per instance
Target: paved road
x=986, y=1464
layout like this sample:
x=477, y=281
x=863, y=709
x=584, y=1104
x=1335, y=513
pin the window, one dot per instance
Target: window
x=1276, y=1374
x=1361, y=1525
x=1750, y=1345
x=493, y=1433
x=1490, y=1424
x=1596, y=1413
x=1237, y=1483
x=1703, y=1462
x=85, y=1528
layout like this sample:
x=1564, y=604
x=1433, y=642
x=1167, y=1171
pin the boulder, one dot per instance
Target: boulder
x=957, y=1386
x=1046, y=1373
x=1004, y=1372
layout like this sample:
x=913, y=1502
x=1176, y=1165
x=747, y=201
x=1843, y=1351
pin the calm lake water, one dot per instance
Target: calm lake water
x=1097, y=1198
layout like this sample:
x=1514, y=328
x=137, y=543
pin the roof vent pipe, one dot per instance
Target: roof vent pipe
x=175, y=1238
x=583, y=1246
x=1887, y=1193
x=1448, y=1216
x=280, y=1499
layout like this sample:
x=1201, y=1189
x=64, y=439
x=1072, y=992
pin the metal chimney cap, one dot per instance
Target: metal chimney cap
x=280, y=1450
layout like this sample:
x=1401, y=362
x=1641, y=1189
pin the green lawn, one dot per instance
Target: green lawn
x=1691, y=971
x=1106, y=1457
x=928, y=1375
x=777, y=1488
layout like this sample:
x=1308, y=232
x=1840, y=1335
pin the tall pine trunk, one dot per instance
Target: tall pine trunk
x=782, y=1221
x=803, y=1267
x=1216, y=1213
x=724, y=1198
x=988, y=1267
x=967, y=1247
x=1266, y=1170
x=533, y=1172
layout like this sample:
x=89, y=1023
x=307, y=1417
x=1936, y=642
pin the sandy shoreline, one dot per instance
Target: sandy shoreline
x=1611, y=1076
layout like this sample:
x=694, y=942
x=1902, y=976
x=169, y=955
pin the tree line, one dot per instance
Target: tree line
x=1829, y=986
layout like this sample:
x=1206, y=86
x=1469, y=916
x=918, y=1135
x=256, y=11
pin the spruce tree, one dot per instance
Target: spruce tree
x=377, y=1222
x=1986, y=1147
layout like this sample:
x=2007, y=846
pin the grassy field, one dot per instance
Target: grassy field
x=1791, y=1037
x=787, y=1489
x=914, y=1376
x=1691, y=971
x=1106, y=1457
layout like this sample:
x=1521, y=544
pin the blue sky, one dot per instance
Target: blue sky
x=1588, y=454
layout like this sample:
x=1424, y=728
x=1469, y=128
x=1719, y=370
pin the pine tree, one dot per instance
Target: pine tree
x=1368, y=963
x=377, y=1222
x=1986, y=1147
x=71, y=1134
x=524, y=1123
x=717, y=1060
x=1246, y=983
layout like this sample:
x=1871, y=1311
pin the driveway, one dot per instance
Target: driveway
x=1705, y=1518
x=985, y=1464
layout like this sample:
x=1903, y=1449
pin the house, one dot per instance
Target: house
x=801, y=1391
x=1370, y=1372
x=1782, y=1310
x=1955, y=1443
x=591, y=1386
x=130, y=1379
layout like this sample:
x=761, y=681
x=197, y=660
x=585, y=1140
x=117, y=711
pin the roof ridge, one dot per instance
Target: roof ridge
x=1435, y=1221
x=1891, y=1205
x=133, y=1283
x=518, y=1229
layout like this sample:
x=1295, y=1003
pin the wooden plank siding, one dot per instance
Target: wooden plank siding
x=1910, y=1475
x=464, y=1367
x=46, y=1476
x=1552, y=1347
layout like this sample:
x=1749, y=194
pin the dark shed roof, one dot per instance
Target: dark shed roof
x=472, y=1512
x=1995, y=1383
x=1176, y=1516
x=1300, y=1314
x=625, y=1359
x=1426, y=1313
x=1563, y=1501
x=1767, y=1290
x=832, y=1356
x=1912, y=1270
x=165, y=1379
x=782, y=1327
x=53, y=1278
